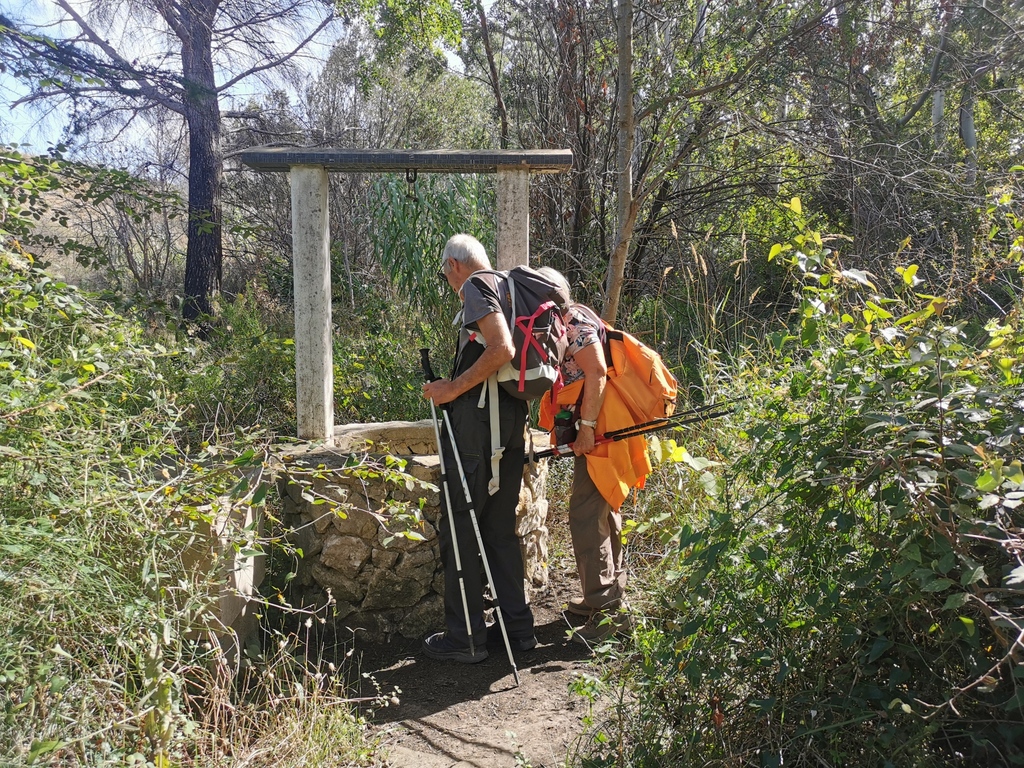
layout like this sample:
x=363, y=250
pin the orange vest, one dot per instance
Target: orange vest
x=615, y=467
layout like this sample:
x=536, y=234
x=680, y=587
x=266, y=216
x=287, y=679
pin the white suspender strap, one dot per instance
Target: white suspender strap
x=497, y=450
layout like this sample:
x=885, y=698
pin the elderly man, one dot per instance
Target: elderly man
x=485, y=344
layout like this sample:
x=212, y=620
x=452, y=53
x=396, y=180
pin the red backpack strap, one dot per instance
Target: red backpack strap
x=525, y=324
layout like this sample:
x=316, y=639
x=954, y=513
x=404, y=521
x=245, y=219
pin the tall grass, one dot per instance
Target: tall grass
x=108, y=633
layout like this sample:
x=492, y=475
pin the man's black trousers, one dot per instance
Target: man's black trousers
x=496, y=516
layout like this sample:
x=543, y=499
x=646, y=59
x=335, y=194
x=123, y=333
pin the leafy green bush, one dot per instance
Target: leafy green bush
x=103, y=218
x=377, y=373
x=78, y=391
x=241, y=378
x=412, y=223
x=107, y=625
x=850, y=592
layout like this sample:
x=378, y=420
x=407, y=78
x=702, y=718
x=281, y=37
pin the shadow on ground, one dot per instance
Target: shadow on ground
x=474, y=715
x=428, y=685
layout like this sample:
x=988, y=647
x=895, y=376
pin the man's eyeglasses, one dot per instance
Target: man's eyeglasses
x=442, y=274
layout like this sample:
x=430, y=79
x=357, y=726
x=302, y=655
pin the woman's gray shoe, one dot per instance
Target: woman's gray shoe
x=601, y=625
x=580, y=608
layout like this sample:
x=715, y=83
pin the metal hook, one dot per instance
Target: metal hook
x=410, y=179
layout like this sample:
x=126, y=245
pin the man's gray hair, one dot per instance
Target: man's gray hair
x=467, y=250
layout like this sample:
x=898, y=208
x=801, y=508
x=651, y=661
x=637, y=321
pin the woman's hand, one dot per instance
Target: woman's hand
x=584, y=440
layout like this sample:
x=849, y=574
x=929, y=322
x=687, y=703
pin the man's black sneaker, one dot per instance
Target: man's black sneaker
x=523, y=643
x=527, y=643
x=440, y=646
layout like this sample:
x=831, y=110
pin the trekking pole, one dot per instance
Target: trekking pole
x=669, y=421
x=428, y=374
x=624, y=434
x=425, y=362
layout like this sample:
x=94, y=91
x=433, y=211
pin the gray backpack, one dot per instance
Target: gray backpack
x=538, y=334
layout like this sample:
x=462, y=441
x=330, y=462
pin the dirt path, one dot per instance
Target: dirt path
x=473, y=716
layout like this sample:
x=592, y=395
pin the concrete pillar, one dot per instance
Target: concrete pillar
x=311, y=272
x=513, y=216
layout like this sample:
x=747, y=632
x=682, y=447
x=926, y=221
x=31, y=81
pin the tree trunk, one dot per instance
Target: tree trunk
x=626, y=210
x=938, y=116
x=492, y=69
x=203, y=257
x=969, y=135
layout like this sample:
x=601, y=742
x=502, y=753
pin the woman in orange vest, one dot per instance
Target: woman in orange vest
x=603, y=473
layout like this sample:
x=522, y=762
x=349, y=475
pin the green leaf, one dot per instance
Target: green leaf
x=908, y=273
x=775, y=251
x=260, y=494
x=972, y=575
x=969, y=625
x=245, y=458
x=713, y=486
x=809, y=332
x=698, y=463
x=1014, y=473
x=880, y=313
x=903, y=569
x=956, y=600
x=915, y=316
x=657, y=449
x=987, y=482
x=879, y=647
x=41, y=748
x=58, y=683
x=989, y=500
x=938, y=585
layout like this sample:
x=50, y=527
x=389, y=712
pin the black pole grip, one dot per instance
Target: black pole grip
x=428, y=371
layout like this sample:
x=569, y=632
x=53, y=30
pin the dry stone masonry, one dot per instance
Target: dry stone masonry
x=367, y=529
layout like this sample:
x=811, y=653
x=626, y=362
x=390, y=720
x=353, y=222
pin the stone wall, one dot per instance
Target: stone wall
x=219, y=552
x=369, y=540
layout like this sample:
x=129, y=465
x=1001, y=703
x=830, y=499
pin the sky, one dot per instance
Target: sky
x=39, y=126
x=23, y=124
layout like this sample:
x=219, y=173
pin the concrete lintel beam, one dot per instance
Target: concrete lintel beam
x=401, y=160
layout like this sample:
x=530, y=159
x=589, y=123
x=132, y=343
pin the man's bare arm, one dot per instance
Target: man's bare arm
x=499, y=351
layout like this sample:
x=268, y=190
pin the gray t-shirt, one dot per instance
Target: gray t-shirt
x=482, y=294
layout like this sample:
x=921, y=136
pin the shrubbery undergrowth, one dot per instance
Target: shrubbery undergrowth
x=112, y=484
x=842, y=585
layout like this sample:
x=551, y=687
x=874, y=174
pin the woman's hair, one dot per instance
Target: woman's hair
x=466, y=249
x=565, y=296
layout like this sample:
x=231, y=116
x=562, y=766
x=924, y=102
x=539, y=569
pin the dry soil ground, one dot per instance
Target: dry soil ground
x=474, y=716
